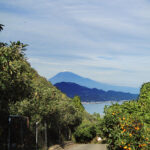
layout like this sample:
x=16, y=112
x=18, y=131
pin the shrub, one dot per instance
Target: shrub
x=124, y=127
x=85, y=133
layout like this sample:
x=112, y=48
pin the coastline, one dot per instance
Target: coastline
x=109, y=101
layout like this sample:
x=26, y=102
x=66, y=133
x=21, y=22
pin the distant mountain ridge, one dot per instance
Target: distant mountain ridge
x=71, y=77
x=92, y=95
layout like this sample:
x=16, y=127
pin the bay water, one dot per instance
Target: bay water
x=98, y=107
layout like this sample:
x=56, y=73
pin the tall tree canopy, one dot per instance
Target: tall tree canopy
x=24, y=92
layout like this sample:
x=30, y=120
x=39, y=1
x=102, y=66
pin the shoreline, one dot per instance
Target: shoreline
x=113, y=101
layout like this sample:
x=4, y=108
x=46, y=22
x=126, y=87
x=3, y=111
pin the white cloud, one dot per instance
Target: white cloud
x=83, y=33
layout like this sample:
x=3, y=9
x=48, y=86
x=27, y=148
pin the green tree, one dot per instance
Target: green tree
x=15, y=74
x=15, y=80
x=85, y=132
x=24, y=92
x=78, y=104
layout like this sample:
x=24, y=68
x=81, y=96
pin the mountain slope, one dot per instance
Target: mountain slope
x=71, y=77
x=87, y=94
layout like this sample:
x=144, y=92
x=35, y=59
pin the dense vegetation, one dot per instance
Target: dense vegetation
x=90, y=95
x=127, y=126
x=24, y=92
x=88, y=129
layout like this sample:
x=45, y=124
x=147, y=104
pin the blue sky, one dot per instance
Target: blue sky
x=105, y=40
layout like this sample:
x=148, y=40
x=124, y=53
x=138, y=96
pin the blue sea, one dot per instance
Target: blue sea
x=98, y=107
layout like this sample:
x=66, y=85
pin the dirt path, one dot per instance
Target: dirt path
x=87, y=147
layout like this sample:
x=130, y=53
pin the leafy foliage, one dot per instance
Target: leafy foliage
x=15, y=75
x=127, y=126
x=85, y=132
x=24, y=92
x=88, y=129
x=78, y=104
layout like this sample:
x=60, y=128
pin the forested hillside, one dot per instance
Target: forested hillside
x=24, y=92
x=82, y=81
x=93, y=95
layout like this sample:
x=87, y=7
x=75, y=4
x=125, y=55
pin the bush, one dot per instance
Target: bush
x=124, y=127
x=85, y=133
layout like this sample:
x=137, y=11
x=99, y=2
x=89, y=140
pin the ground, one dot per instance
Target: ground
x=87, y=147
